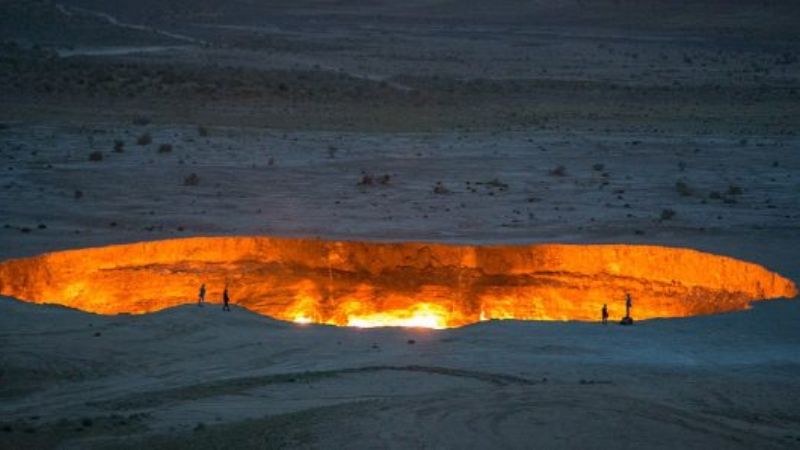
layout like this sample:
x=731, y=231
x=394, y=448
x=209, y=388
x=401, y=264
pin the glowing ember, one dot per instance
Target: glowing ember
x=422, y=315
x=365, y=284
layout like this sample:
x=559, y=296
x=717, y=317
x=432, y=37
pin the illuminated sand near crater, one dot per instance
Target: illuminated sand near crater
x=370, y=284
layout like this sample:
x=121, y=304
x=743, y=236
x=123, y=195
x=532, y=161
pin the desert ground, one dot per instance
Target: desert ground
x=198, y=378
x=645, y=122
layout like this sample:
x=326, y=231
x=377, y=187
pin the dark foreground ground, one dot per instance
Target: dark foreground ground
x=199, y=378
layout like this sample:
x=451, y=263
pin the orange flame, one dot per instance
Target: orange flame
x=421, y=315
x=394, y=284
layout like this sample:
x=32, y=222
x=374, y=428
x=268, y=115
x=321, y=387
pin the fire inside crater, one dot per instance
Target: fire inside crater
x=367, y=284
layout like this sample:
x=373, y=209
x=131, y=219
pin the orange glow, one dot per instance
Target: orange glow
x=421, y=315
x=368, y=284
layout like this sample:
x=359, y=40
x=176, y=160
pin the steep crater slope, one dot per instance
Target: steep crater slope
x=406, y=284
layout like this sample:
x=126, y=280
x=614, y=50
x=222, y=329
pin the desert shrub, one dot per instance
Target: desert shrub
x=141, y=121
x=144, y=139
x=496, y=183
x=202, y=131
x=734, y=190
x=191, y=180
x=715, y=195
x=439, y=188
x=165, y=148
x=559, y=171
x=683, y=189
x=667, y=214
x=598, y=167
x=119, y=146
x=96, y=156
x=366, y=180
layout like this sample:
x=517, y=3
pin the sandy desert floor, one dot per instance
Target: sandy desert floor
x=194, y=377
x=552, y=125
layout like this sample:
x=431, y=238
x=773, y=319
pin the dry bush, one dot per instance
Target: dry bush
x=165, y=148
x=96, y=156
x=144, y=139
x=683, y=189
x=440, y=189
x=496, y=183
x=366, y=180
x=734, y=190
x=191, y=180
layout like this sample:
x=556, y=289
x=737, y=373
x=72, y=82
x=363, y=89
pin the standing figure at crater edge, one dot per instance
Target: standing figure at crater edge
x=604, y=312
x=628, y=305
x=225, y=300
x=201, y=296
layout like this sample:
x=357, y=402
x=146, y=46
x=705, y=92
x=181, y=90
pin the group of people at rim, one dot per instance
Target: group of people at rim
x=627, y=320
x=226, y=300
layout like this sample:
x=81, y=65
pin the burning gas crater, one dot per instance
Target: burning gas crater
x=367, y=284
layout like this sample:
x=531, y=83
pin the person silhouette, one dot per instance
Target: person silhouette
x=201, y=296
x=604, y=313
x=628, y=304
x=225, y=300
x=627, y=320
